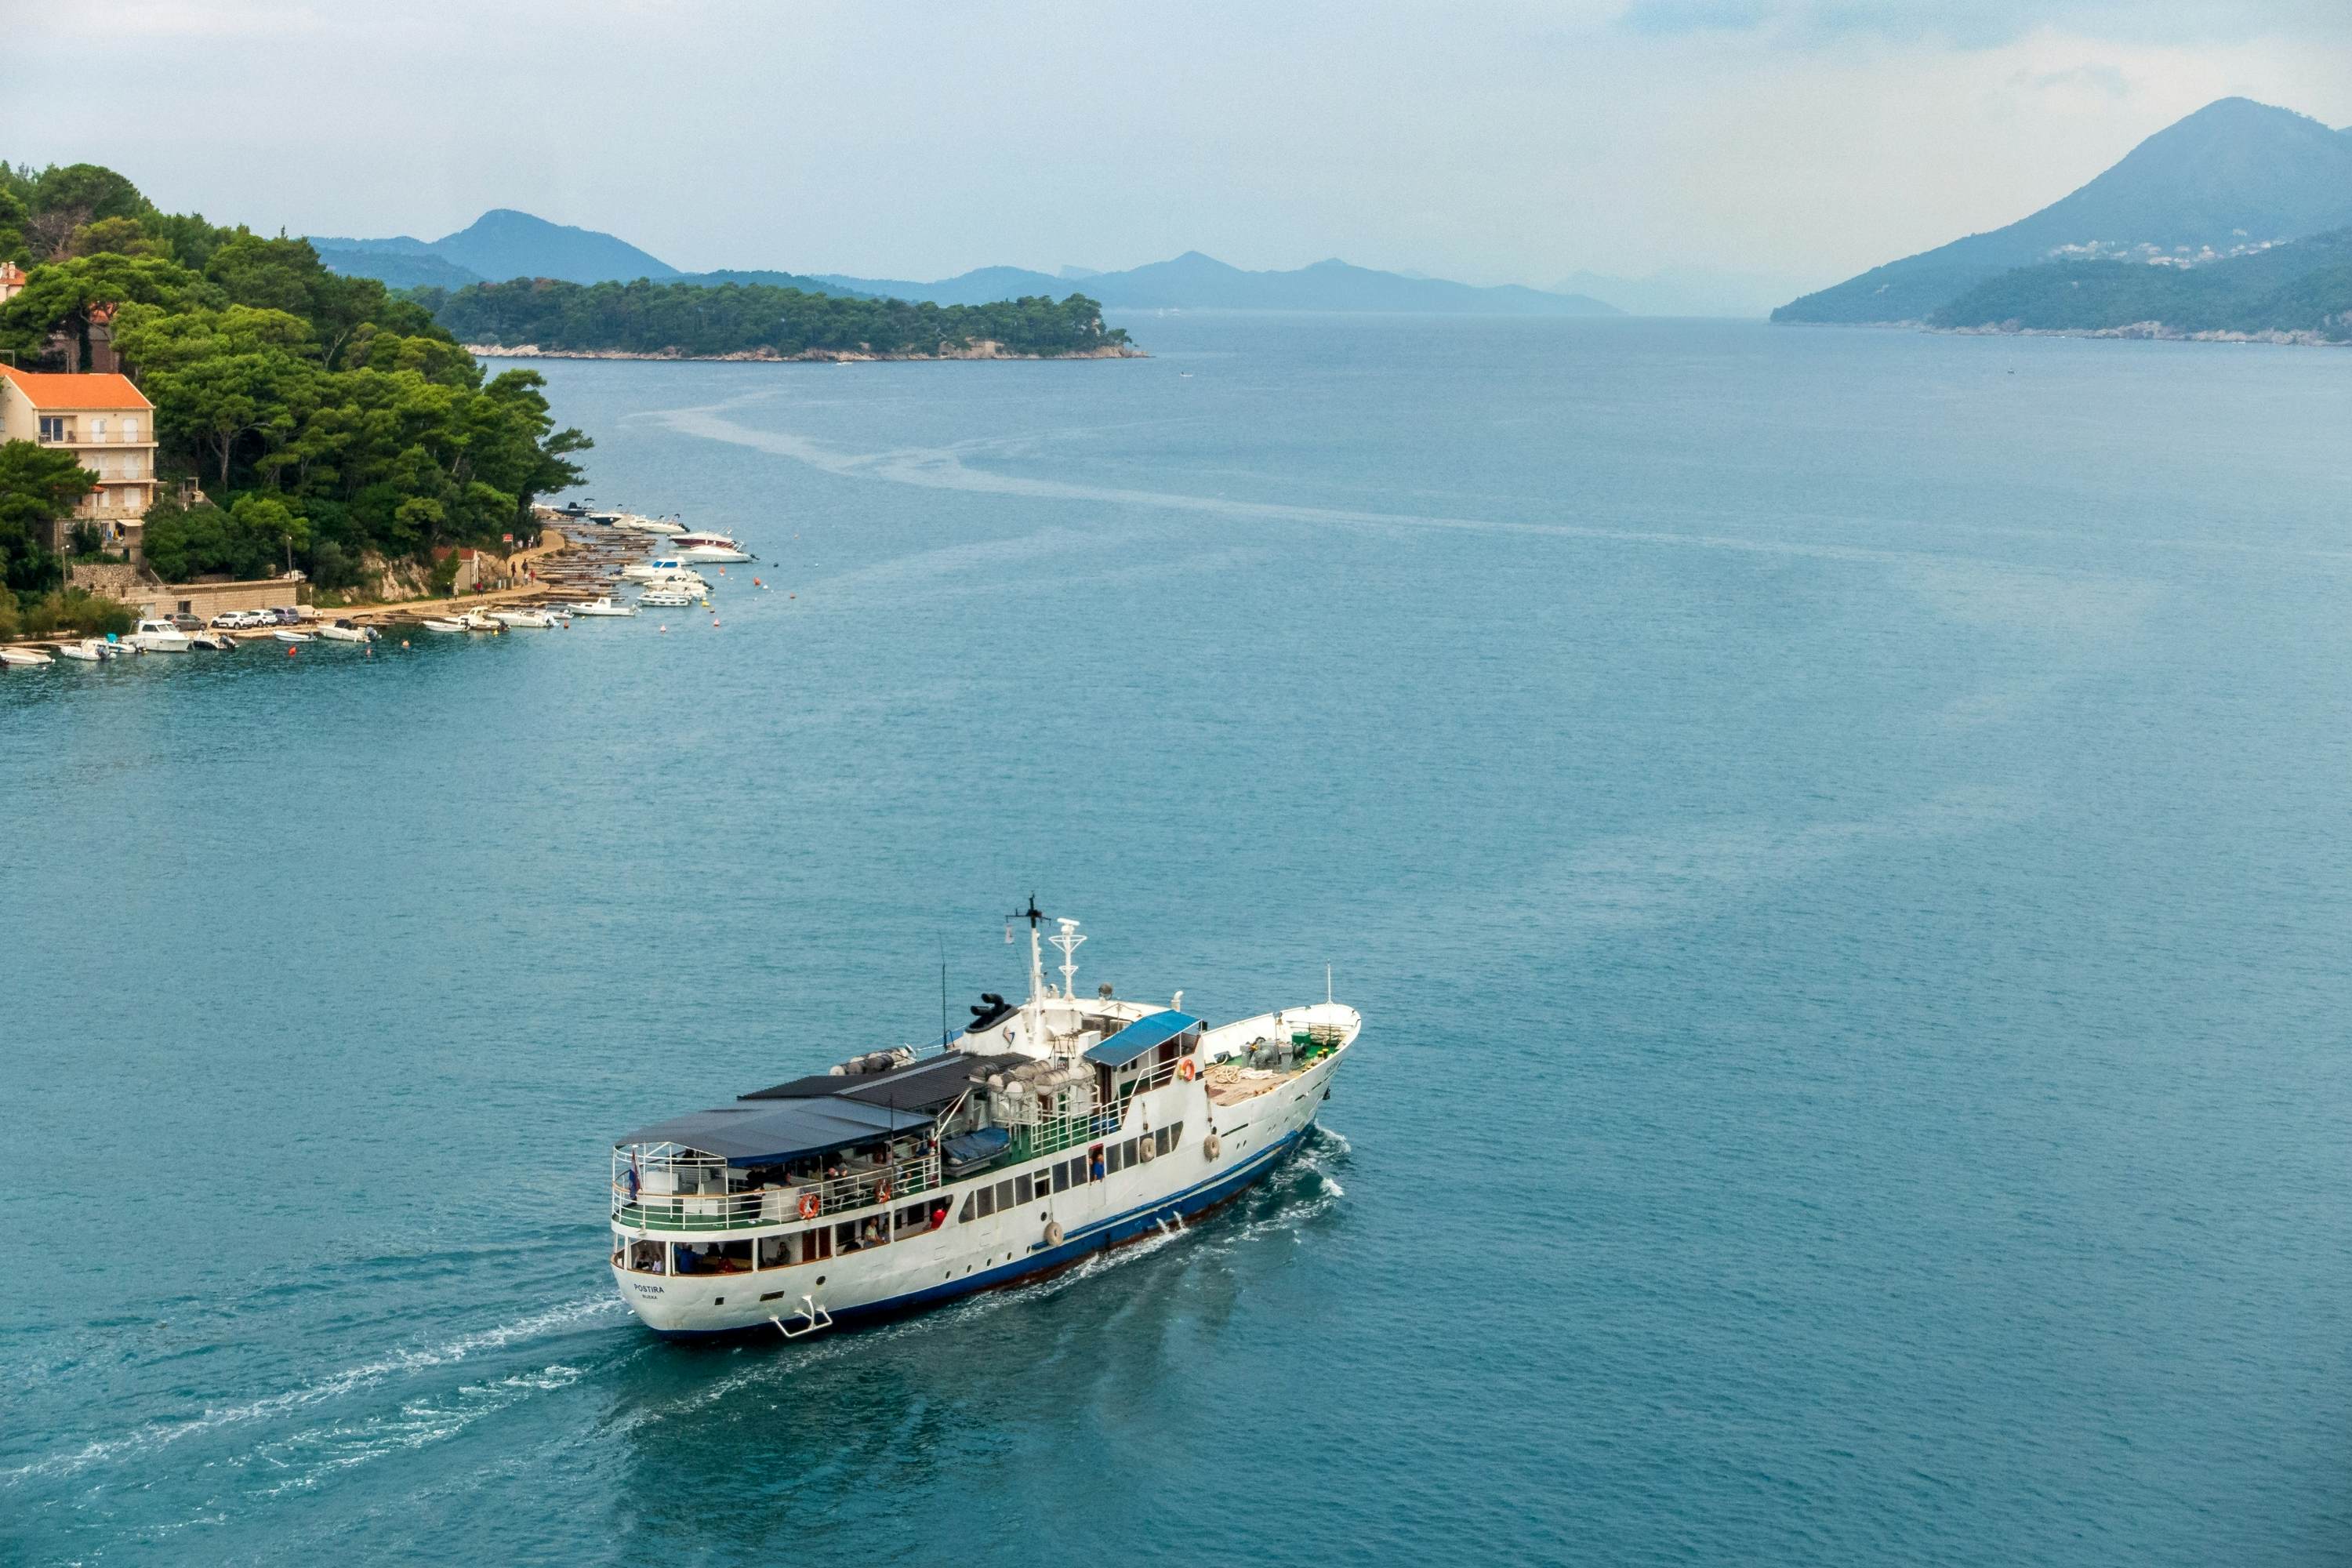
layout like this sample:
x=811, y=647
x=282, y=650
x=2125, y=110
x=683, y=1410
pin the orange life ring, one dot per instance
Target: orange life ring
x=809, y=1205
x=1184, y=1069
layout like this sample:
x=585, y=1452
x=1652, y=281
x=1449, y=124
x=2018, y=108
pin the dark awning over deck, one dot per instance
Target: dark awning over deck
x=753, y=1132
x=932, y=1081
x=1146, y=1034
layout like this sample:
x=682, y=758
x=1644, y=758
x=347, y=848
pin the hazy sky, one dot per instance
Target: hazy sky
x=1498, y=141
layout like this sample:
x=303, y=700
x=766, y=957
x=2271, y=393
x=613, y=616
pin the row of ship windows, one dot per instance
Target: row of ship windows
x=820, y=1242
x=1013, y=1192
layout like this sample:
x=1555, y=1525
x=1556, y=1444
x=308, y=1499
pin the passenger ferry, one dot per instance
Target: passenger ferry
x=1044, y=1132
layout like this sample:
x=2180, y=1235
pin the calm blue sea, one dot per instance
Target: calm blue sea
x=1840, y=838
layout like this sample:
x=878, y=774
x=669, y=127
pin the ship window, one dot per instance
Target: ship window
x=1004, y=1193
x=914, y=1216
x=648, y=1257
x=969, y=1200
x=1127, y=1152
x=1021, y=1190
x=774, y=1251
x=986, y=1196
x=816, y=1243
x=1062, y=1175
x=1110, y=1159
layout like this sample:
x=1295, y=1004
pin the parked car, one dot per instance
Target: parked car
x=285, y=615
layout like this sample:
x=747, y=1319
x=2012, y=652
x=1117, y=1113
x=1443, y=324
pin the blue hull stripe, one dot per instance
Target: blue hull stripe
x=1099, y=1236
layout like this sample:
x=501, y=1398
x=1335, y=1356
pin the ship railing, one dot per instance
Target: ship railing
x=781, y=1204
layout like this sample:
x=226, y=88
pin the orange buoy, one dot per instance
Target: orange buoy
x=290, y=651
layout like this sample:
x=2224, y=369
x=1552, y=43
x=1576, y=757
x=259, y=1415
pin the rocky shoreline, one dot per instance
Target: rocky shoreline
x=2151, y=332
x=984, y=349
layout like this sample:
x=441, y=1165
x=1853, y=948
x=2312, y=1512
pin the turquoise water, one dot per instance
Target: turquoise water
x=1839, y=839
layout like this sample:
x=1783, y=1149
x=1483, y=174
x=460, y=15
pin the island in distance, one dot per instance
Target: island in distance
x=505, y=244
x=2235, y=222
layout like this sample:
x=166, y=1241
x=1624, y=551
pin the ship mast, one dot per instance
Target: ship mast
x=1068, y=943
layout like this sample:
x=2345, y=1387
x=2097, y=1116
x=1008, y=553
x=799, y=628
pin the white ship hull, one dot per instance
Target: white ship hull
x=1217, y=1150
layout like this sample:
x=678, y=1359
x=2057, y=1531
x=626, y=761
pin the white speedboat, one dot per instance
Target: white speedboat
x=348, y=631
x=708, y=547
x=663, y=596
x=667, y=569
x=606, y=605
x=637, y=524
x=90, y=650
x=290, y=636
x=518, y=620
x=1042, y=1133
x=25, y=658
x=159, y=636
x=475, y=621
x=442, y=624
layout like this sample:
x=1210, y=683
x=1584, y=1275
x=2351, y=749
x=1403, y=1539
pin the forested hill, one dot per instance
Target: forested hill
x=763, y=322
x=2229, y=178
x=2302, y=291
x=324, y=416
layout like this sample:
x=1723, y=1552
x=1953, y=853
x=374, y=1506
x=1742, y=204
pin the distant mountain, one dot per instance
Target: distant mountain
x=397, y=269
x=1685, y=292
x=1196, y=282
x=2301, y=289
x=2232, y=176
x=499, y=245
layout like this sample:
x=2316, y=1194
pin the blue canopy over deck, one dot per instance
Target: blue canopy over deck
x=1146, y=1034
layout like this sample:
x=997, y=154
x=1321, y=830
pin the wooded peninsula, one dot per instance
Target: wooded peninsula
x=301, y=417
x=758, y=320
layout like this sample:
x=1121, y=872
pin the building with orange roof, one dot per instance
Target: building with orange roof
x=12, y=281
x=108, y=424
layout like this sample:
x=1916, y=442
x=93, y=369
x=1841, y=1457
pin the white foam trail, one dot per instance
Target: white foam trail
x=323, y=1391
x=943, y=468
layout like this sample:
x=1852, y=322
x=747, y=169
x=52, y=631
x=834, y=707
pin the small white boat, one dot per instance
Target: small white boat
x=24, y=658
x=475, y=621
x=637, y=524
x=212, y=642
x=159, y=636
x=518, y=620
x=90, y=650
x=604, y=606
x=708, y=547
x=665, y=597
x=288, y=635
x=443, y=624
x=349, y=631
x=666, y=569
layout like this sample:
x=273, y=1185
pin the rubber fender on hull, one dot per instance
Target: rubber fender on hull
x=1211, y=1146
x=1052, y=1233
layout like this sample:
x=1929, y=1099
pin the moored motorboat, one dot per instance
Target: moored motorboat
x=476, y=621
x=604, y=606
x=1042, y=1133
x=442, y=624
x=159, y=636
x=25, y=658
x=290, y=636
x=518, y=620
x=664, y=596
x=87, y=651
x=349, y=631
x=708, y=547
